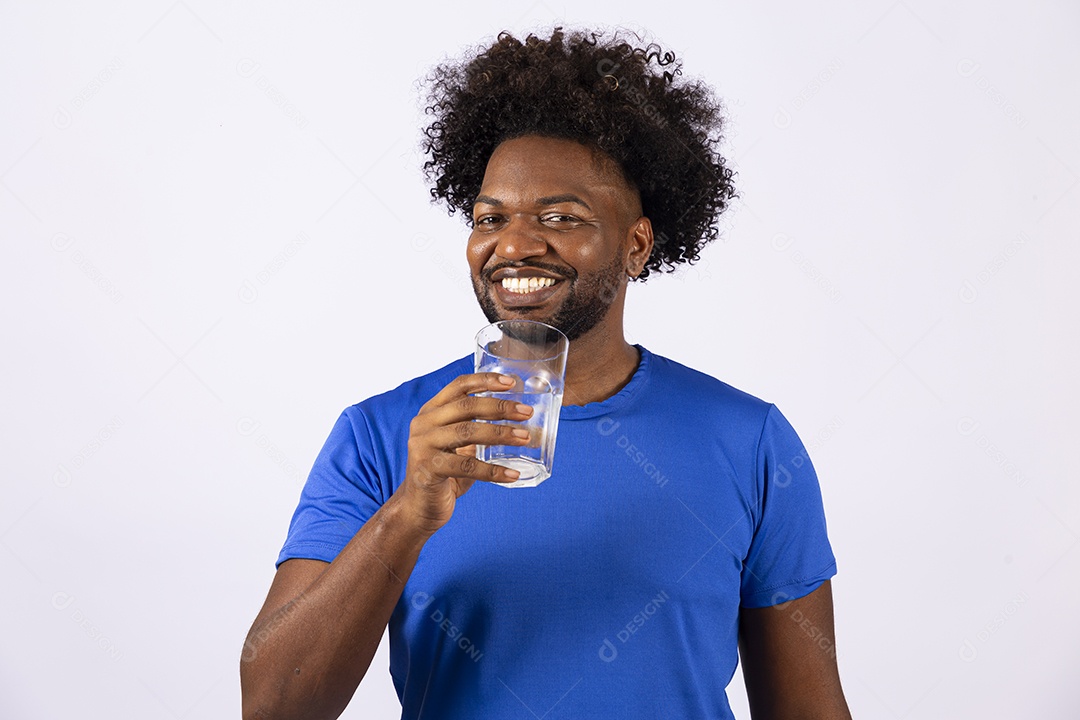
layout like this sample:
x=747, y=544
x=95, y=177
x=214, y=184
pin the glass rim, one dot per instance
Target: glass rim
x=560, y=339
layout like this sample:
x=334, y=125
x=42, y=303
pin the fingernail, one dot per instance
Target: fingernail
x=518, y=432
x=512, y=474
x=522, y=408
x=506, y=380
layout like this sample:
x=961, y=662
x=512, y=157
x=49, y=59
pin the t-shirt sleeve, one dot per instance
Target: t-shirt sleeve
x=342, y=492
x=790, y=554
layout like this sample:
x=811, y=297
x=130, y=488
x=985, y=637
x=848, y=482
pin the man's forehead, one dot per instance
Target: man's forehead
x=540, y=148
x=538, y=168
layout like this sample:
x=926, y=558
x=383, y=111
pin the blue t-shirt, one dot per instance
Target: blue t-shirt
x=612, y=589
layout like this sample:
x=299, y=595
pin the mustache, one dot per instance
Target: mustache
x=556, y=270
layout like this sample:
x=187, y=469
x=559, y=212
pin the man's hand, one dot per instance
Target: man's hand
x=313, y=641
x=443, y=436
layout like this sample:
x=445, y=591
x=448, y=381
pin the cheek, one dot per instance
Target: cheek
x=477, y=252
x=584, y=254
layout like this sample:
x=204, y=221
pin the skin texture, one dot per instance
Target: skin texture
x=788, y=654
x=548, y=206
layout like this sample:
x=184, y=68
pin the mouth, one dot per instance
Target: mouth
x=522, y=289
x=526, y=285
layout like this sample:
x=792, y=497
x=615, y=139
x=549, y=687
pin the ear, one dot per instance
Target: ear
x=639, y=245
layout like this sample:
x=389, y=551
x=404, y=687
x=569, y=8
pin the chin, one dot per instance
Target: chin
x=494, y=312
x=523, y=315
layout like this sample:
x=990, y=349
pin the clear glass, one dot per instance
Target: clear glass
x=535, y=354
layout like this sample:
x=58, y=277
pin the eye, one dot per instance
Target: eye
x=559, y=218
x=487, y=220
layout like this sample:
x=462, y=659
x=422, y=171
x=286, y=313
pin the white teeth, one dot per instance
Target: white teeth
x=524, y=285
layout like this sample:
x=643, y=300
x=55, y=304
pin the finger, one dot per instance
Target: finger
x=476, y=407
x=452, y=465
x=461, y=485
x=464, y=434
x=467, y=384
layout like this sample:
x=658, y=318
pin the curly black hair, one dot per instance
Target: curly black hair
x=628, y=102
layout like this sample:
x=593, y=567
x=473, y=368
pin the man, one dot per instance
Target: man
x=682, y=518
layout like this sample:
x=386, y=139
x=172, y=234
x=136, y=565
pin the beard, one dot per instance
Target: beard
x=587, y=301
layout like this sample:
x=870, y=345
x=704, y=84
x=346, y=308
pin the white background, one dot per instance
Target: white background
x=216, y=236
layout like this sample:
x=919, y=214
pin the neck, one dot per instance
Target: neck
x=599, y=364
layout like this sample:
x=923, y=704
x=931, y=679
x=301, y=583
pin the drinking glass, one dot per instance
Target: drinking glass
x=534, y=354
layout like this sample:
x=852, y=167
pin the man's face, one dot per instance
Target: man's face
x=553, y=235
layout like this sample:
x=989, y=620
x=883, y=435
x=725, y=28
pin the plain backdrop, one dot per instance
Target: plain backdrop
x=216, y=236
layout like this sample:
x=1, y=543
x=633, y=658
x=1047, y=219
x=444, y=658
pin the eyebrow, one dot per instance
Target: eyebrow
x=549, y=200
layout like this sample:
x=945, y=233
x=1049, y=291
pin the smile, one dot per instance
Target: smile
x=526, y=292
x=522, y=285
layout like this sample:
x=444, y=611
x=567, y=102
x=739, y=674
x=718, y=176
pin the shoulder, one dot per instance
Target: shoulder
x=698, y=392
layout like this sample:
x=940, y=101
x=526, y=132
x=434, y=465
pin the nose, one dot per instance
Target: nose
x=520, y=239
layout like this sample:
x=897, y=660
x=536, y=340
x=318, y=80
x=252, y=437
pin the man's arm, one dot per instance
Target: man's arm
x=788, y=654
x=320, y=626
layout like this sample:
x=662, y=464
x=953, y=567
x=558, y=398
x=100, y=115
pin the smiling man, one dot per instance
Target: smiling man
x=683, y=519
x=557, y=231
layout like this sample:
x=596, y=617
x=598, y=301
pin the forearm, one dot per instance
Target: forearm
x=307, y=658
